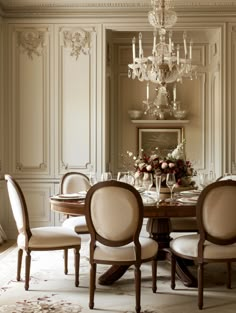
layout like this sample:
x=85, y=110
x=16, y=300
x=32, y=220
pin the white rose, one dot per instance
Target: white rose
x=149, y=168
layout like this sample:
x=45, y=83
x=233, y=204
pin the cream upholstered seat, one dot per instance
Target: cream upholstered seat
x=72, y=182
x=38, y=239
x=216, y=241
x=114, y=215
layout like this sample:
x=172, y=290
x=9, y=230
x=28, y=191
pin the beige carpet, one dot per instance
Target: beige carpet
x=52, y=291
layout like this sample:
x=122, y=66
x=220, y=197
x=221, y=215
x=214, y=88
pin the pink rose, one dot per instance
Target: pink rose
x=164, y=165
x=171, y=165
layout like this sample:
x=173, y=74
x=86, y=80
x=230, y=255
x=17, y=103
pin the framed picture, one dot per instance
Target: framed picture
x=165, y=139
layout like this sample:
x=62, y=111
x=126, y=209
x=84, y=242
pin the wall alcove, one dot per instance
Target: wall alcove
x=195, y=95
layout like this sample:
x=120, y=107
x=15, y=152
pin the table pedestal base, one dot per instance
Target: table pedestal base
x=159, y=230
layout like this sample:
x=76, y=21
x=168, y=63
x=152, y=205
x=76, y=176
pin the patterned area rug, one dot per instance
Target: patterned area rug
x=52, y=291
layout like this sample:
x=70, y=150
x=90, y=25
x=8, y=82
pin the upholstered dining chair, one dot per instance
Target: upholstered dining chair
x=216, y=241
x=114, y=215
x=189, y=224
x=40, y=238
x=227, y=177
x=73, y=182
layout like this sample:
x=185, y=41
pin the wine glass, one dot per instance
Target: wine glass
x=158, y=187
x=92, y=178
x=106, y=176
x=170, y=182
x=147, y=181
x=203, y=180
x=123, y=176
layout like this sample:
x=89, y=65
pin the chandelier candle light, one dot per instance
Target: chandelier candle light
x=165, y=65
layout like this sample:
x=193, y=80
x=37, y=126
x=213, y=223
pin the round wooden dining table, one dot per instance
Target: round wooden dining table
x=158, y=227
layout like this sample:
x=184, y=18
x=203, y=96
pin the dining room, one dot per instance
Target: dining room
x=71, y=99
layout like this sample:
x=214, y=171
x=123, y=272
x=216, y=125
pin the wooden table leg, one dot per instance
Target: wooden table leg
x=114, y=273
x=159, y=230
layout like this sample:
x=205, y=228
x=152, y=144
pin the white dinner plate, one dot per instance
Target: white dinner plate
x=70, y=196
x=189, y=200
x=189, y=193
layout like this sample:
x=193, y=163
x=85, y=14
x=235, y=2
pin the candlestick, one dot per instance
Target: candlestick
x=147, y=91
x=178, y=47
x=140, y=45
x=174, y=94
x=190, y=49
x=133, y=48
x=154, y=42
x=185, y=44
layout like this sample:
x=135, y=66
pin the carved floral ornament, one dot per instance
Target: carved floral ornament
x=78, y=40
x=32, y=42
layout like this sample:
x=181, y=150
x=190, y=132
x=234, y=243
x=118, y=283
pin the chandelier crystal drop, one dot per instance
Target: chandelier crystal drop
x=166, y=64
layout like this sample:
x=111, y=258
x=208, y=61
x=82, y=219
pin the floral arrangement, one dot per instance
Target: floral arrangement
x=174, y=162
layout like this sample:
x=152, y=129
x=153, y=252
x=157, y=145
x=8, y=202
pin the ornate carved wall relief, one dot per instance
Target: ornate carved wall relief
x=79, y=40
x=32, y=42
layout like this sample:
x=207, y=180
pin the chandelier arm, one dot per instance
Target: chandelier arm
x=165, y=65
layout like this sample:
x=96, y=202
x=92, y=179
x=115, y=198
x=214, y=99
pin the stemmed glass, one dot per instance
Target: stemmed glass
x=170, y=182
x=158, y=188
x=147, y=181
x=126, y=177
x=92, y=178
x=123, y=176
x=106, y=176
x=203, y=180
x=147, y=184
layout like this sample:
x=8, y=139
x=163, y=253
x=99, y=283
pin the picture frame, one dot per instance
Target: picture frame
x=159, y=140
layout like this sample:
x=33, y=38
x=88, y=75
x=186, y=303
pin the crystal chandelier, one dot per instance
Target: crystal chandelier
x=165, y=65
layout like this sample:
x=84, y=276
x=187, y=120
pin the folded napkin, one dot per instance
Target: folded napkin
x=149, y=197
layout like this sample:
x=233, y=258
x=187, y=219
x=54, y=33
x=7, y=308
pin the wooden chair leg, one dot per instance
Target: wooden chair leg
x=173, y=271
x=27, y=269
x=154, y=276
x=138, y=288
x=19, y=263
x=77, y=265
x=66, y=261
x=200, y=285
x=93, y=269
x=229, y=275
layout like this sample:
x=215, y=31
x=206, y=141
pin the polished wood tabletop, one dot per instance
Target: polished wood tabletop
x=164, y=210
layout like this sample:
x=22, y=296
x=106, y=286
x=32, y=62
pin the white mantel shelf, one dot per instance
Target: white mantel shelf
x=168, y=123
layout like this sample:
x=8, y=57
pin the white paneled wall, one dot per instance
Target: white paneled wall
x=76, y=98
x=51, y=118
x=63, y=110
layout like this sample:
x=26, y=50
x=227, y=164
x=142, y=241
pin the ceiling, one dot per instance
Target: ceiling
x=108, y=3
x=15, y=8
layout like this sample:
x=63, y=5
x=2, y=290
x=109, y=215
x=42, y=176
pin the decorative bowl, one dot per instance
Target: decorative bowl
x=135, y=114
x=180, y=114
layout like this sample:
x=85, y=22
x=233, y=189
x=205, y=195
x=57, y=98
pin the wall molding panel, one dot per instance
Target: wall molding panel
x=76, y=72
x=30, y=101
